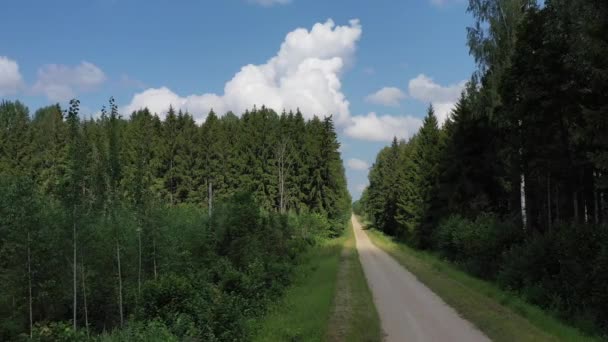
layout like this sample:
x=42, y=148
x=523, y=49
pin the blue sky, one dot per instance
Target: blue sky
x=376, y=65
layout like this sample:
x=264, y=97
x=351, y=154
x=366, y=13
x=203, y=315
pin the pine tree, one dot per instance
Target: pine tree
x=14, y=135
x=114, y=175
x=75, y=189
x=426, y=156
x=49, y=152
x=408, y=200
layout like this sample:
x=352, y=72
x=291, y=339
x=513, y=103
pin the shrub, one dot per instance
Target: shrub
x=179, y=303
x=564, y=270
x=138, y=331
x=58, y=331
x=476, y=245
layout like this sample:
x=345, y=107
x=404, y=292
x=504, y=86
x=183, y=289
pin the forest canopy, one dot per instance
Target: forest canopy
x=165, y=228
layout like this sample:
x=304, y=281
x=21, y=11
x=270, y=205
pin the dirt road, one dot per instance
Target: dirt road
x=409, y=311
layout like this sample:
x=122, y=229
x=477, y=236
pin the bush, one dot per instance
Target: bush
x=564, y=270
x=59, y=331
x=476, y=245
x=138, y=331
x=180, y=303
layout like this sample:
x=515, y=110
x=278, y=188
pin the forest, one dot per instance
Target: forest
x=139, y=228
x=513, y=188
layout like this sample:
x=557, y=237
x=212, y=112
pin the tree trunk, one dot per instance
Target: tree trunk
x=549, y=201
x=210, y=198
x=119, y=283
x=557, y=217
x=75, y=264
x=29, y=278
x=139, y=264
x=154, y=256
x=84, y=298
x=281, y=157
x=171, y=186
x=522, y=190
x=596, y=207
x=575, y=206
x=602, y=206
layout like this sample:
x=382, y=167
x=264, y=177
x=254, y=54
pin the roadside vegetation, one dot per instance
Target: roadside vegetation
x=354, y=317
x=501, y=315
x=329, y=300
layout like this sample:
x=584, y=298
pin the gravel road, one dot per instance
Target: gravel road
x=409, y=311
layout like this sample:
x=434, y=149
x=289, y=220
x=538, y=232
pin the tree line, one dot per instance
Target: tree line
x=160, y=228
x=514, y=185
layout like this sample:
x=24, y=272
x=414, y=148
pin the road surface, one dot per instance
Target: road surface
x=408, y=310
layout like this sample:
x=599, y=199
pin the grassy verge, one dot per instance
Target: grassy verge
x=303, y=312
x=328, y=301
x=354, y=316
x=502, y=316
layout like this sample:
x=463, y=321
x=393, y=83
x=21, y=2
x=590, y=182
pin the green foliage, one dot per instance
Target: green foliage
x=57, y=331
x=149, y=331
x=181, y=304
x=477, y=245
x=183, y=230
x=563, y=270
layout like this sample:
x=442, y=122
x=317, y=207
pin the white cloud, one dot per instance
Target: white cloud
x=357, y=164
x=268, y=3
x=423, y=88
x=360, y=187
x=10, y=77
x=443, y=111
x=387, y=96
x=304, y=74
x=62, y=82
x=382, y=128
x=443, y=98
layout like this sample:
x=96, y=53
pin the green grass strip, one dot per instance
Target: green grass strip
x=354, y=316
x=303, y=312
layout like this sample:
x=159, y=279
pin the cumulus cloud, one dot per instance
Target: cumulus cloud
x=443, y=98
x=305, y=74
x=10, y=77
x=423, y=88
x=62, y=82
x=360, y=187
x=387, y=96
x=382, y=128
x=357, y=164
x=268, y=3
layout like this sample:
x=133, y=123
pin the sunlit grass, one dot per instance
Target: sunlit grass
x=307, y=311
x=302, y=314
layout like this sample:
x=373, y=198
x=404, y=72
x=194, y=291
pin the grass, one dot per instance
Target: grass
x=354, y=317
x=303, y=312
x=328, y=301
x=501, y=315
